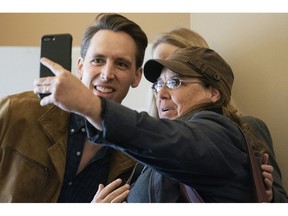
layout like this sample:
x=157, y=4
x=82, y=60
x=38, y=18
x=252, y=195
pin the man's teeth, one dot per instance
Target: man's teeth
x=104, y=90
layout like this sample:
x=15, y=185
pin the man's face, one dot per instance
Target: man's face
x=109, y=67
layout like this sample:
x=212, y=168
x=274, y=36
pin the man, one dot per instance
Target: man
x=44, y=152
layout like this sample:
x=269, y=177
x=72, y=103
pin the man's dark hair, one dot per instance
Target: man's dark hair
x=116, y=23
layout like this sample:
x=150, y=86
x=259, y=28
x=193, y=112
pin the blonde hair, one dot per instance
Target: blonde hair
x=180, y=37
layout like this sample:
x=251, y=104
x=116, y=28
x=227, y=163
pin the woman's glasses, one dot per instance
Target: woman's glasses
x=171, y=84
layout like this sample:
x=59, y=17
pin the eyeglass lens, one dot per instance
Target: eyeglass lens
x=171, y=84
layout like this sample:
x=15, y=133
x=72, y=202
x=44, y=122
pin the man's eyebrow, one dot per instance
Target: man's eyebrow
x=124, y=59
x=97, y=55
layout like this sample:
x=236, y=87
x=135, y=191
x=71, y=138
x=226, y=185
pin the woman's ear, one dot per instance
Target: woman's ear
x=80, y=68
x=137, y=78
x=215, y=94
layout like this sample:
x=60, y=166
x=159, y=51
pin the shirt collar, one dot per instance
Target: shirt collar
x=77, y=122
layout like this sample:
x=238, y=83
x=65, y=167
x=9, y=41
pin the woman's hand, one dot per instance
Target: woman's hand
x=112, y=193
x=267, y=173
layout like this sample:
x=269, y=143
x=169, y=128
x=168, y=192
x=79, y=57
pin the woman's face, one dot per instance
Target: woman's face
x=173, y=103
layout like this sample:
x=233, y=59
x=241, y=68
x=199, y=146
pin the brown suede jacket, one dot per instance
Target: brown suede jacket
x=33, y=143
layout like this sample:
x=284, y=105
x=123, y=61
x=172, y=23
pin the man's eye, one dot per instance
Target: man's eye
x=97, y=61
x=122, y=64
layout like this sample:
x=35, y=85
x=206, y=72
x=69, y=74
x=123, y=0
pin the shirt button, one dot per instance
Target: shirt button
x=78, y=153
x=70, y=183
x=72, y=130
x=83, y=130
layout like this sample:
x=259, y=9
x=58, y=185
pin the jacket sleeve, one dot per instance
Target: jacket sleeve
x=201, y=148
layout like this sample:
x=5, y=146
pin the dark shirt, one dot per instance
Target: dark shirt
x=82, y=187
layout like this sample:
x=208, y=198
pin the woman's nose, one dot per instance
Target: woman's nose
x=163, y=93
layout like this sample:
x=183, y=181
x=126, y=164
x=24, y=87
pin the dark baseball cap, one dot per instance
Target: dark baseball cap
x=195, y=62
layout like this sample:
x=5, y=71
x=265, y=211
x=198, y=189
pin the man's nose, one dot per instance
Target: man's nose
x=107, y=72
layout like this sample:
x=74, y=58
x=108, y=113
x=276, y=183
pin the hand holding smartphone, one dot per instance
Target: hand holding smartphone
x=58, y=48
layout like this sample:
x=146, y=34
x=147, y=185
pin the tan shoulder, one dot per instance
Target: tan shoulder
x=23, y=95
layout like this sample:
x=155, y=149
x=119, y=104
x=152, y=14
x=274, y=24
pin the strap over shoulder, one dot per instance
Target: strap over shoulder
x=190, y=194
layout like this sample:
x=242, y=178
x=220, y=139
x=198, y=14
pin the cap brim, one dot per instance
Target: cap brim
x=153, y=68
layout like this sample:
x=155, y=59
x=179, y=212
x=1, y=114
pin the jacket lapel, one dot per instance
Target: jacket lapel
x=55, y=125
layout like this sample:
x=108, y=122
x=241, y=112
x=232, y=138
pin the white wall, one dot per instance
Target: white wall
x=19, y=66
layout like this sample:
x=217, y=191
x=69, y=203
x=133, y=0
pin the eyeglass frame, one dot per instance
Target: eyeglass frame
x=181, y=81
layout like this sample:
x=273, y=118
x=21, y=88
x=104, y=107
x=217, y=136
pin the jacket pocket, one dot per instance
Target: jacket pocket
x=25, y=179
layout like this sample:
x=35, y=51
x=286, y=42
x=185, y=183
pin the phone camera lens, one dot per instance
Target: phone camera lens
x=47, y=39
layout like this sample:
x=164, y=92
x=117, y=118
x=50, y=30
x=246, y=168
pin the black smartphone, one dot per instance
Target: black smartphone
x=58, y=48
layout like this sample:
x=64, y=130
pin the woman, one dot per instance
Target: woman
x=168, y=42
x=197, y=141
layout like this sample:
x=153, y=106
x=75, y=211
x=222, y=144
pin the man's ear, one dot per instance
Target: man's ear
x=79, y=71
x=215, y=94
x=137, y=78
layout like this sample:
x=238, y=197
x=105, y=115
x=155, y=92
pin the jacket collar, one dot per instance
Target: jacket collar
x=212, y=108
